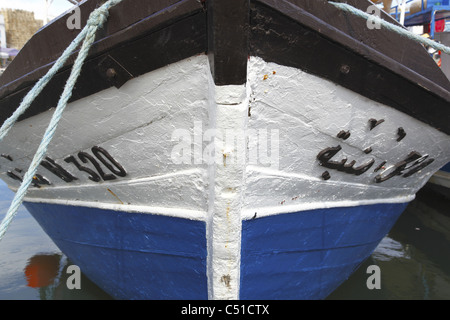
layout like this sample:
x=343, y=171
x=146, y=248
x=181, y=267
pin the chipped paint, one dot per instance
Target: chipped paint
x=135, y=124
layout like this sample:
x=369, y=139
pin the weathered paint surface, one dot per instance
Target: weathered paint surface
x=131, y=255
x=310, y=113
x=135, y=125
x=157, y=131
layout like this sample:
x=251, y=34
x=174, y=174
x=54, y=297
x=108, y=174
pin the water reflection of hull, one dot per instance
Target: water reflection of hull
x=410, y=257
x=316, y=171
x=414, y=267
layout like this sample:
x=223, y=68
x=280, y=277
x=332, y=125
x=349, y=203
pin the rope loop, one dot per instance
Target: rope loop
x=98, y=17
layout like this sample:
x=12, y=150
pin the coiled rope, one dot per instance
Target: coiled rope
x=397, y=29
x=87, y=35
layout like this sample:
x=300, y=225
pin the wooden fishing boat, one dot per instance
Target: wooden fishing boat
x=440, y=181
x=226, y=149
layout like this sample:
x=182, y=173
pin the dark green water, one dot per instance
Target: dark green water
x=414, y=258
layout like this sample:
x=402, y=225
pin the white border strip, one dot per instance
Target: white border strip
x=248, y=214
x=173, y=212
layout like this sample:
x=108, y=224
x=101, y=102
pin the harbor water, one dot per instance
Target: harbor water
x=413, y=259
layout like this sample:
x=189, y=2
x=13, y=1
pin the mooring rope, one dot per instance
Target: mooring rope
x=397, y=29
x=96, y=20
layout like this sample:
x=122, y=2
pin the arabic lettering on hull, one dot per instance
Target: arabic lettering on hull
x=406, y=167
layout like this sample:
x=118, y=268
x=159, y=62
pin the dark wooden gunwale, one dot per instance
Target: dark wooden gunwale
x=288, y=32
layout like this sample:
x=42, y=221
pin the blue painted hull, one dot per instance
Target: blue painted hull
x=130, y=255
x=306, y=255
x=303, y=255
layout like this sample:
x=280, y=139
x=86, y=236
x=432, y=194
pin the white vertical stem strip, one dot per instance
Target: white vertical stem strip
x=225, y=229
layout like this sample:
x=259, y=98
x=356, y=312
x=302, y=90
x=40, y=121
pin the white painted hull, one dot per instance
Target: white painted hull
x=136, y=125
x=161, y=126
x=441, y=178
